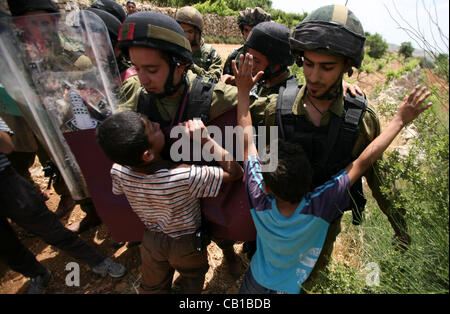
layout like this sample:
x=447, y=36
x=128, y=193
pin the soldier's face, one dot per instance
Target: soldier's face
x=152, y=68
x=246, y=31
x=38, y=24
x=322, y=71
x=260, y=61
x=191, y=34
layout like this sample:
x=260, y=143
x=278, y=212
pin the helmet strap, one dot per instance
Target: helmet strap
x=169, y=87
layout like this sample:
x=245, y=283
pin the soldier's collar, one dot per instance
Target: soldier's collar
x=337, y=107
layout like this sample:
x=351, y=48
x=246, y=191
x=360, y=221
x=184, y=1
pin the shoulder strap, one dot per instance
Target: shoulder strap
x=354, y=110
x=147, y=106
x=199, y=100
x=285, y=102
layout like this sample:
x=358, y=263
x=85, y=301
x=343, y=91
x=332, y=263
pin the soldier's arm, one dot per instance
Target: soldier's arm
x=130, y=103
x=128, y=90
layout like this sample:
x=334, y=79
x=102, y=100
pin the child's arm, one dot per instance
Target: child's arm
x=244, y=82
x=232, y=169
x=410, y=109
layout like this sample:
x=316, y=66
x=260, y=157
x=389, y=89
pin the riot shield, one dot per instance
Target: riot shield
x=61, y=72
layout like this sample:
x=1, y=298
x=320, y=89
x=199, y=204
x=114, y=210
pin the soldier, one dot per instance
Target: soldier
x=246, y=20
x=207, y=62
x=161, y=53
x=66, y=57
x=333, y=127
x=128, y=75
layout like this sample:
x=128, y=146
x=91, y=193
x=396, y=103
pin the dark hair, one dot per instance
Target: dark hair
x=122, y=138
x=293, y=176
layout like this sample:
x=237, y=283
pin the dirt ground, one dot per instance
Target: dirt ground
x=218, y=280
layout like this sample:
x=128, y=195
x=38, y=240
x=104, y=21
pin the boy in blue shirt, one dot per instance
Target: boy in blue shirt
x=292, y=221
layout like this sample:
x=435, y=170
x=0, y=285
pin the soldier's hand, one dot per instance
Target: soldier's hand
x=244, y=76
x=411, y=106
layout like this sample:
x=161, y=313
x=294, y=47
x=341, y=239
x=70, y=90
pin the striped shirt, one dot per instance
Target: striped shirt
x=167, y=200
x=4, y=162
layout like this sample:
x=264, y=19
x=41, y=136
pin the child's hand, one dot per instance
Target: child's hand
x=243, y=76
x=411, y=106
x=353, y=89
x=196, y=130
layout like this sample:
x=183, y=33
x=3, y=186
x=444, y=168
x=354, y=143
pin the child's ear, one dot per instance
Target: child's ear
x=148, y=156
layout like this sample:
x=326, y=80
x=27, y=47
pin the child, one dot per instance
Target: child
x=164, y=196
x=292, y=222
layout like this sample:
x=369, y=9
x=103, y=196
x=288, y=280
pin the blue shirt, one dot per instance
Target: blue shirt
x=288, y=248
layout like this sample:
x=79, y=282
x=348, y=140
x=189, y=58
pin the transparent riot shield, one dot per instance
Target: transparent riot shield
x=61, y=72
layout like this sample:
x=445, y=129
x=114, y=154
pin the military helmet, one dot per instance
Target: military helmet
x=111, y=22
x=272, y=40
x=333, y=29
x=20, y=7
x=155, y=30
x=191, y=16
x=252, y=17
x=111, y=7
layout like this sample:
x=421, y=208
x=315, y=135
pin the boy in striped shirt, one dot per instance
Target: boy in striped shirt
x=291, y=221
x=165, y=197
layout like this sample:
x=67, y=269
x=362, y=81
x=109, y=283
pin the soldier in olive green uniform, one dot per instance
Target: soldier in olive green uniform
x=247, y=19
x=207, y=62
x=161, y=53
x=69, y=56
x=332, y=127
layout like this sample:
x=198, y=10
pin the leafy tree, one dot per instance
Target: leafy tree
x=376, y=44
x=406, y=49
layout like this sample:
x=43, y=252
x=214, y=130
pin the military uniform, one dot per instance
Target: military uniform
x=228, y=67
x=207, y=62
x=224, y=98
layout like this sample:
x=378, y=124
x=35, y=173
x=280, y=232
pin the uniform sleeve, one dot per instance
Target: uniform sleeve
x=130, y=103
x=205, y=181
x=128, y=90
x=224, y=98
x=257, y=198
x=116, y=184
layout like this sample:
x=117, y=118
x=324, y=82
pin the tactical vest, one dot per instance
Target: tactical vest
x=329, y=148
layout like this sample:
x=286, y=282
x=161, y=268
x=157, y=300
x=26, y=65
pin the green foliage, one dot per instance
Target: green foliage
x=289, y=19
x=418, y=183
x=442, y=66
x=376, y=45
x=218, y=7
x=406, y=49
x=239, y=5
x=297, y=71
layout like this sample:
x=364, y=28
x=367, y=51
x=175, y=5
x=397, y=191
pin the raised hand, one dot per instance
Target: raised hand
x=412, y=105
x=244, y=78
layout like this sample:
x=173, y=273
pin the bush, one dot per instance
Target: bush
x=406, y=49
x=442, y=66
x=376, y=45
